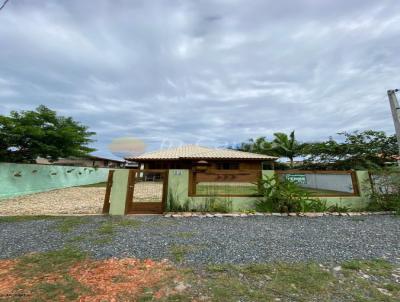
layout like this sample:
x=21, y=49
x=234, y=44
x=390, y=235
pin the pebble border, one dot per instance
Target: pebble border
x=323, y=214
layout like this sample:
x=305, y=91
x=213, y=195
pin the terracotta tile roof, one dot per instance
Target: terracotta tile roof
x=199, y=152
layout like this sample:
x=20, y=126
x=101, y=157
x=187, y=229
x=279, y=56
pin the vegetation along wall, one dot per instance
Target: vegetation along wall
x=21, y=179
x=178, y=193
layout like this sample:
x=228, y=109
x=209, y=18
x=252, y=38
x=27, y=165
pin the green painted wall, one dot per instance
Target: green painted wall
x=22, y=179
x=178, y=188
x=354, y=202
x=118, y=192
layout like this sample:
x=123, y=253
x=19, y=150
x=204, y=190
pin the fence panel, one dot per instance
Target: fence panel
x=323, y=183
x=224, y=183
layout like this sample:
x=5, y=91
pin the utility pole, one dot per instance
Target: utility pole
x=394, y=105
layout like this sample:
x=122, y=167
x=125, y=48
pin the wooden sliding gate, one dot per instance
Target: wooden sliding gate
x=146, y=192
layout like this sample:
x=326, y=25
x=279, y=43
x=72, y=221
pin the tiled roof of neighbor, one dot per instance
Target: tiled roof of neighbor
x=198, y=152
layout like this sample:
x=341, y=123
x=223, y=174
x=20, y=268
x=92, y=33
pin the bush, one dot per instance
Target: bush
x=385, y=194
x=210, y=204
x=285, y=196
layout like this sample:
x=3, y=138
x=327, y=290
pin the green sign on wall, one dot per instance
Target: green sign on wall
x=297, y=178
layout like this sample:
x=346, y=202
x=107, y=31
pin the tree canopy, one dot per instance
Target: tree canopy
x=352, y=150
x=26, y=135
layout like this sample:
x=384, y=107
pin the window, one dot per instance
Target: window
x=228, y=166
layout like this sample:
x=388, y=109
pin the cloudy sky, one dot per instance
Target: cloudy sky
x=208, y=72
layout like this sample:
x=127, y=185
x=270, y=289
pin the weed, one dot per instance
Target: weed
x=67, y=224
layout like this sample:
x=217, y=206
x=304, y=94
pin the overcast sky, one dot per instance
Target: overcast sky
x=208, y=72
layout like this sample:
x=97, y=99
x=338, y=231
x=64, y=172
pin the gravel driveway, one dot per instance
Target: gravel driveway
x=75, y=200
x=212, y=240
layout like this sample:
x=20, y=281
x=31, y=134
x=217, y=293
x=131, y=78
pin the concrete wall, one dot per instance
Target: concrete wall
x=118, y=192
x=22, y=179
x=354, y=202
x=178, y=186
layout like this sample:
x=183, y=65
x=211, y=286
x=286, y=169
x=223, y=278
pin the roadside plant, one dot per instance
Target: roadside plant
x=285, y=196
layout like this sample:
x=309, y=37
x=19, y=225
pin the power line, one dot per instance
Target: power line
x=4, y=4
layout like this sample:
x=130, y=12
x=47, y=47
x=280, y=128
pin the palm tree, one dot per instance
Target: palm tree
x=286, y=146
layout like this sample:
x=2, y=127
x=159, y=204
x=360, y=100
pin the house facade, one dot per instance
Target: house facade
x=195, y=157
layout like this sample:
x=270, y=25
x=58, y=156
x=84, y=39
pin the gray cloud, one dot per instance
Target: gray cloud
x=213, y=72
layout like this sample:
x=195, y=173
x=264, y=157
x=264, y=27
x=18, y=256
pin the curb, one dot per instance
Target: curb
x=312, y=215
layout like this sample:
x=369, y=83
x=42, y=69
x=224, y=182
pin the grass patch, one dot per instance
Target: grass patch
x=42, y=263
x=11, y=219
x=179, y=251
x=68, y=224
x=216, y=282
x=184, y=235
x=77, y=239
x=68, y=287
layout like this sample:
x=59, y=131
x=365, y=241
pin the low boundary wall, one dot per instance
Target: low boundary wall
x=178, y=188
x=22, y=179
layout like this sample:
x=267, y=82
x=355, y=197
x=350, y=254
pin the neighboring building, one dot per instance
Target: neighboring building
x=193, y=156
x=88, y=161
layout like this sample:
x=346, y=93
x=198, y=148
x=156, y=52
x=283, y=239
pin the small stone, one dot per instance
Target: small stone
x=217, y=215
x=292, y=214
x=243, y=215
x=209, y=215
x=337, y=268
x=365, y=276
x=187, y=214
x=335, y=214
x=181, y=287
x=384, y=291
x=276, y=214
x=177, y=215
x=168, y=215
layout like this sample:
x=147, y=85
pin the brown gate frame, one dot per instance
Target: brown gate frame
x=352, y=173
x=145, y=207
x=106, y=205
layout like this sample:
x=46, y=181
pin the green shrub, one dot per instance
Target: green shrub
x=285, y=196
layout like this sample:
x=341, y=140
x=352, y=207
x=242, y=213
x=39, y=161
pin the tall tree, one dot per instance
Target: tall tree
x=355, y=150
x=286, y=146
x=26, y=135
x=259, y=145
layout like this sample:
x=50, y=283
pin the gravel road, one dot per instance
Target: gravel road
x=213, y=240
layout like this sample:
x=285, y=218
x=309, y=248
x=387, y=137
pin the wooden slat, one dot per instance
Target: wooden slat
x=146, y=208
x=130, y=190
x=106, y=205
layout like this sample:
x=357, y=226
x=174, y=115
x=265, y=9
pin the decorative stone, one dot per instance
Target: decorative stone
x=177, y=215
x=276, y=214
